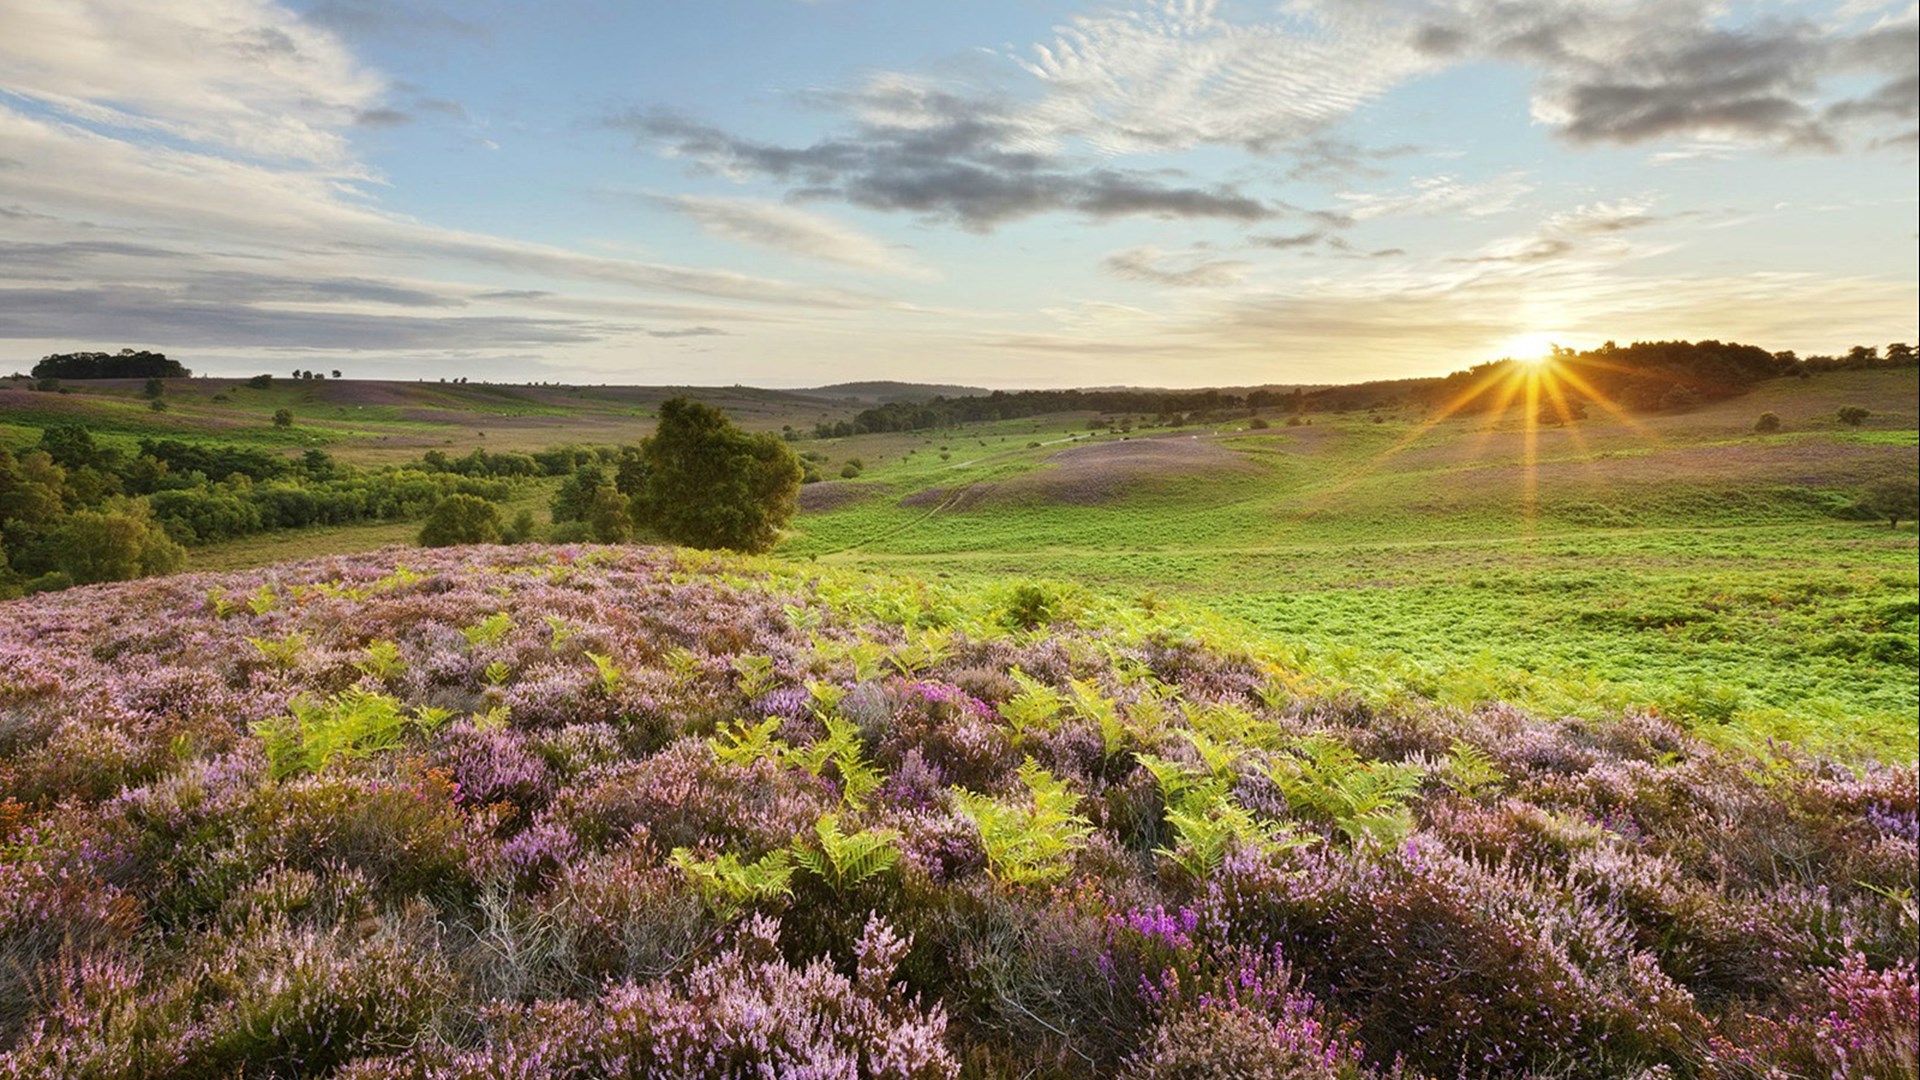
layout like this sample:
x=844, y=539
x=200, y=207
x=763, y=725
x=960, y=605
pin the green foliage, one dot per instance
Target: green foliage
x=703, y=482
x=728, y=886
x=1471, y=772
x=117, y=545
x=1034, y=708
x=744, y=744
x=753, y=674
x=607, y=673
x=1893, y=500
x=1768, y=424
x=489, y=631
x=844, y=860
x=1028, y=844
x=283, y=418
x=841, y=750
x=317, y=731
x=461, y=519
x=381, y=660
x=1852, y=415
x=1324, y=779
x=283, y=654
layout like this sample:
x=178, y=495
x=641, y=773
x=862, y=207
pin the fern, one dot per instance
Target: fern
x=493, y=719
x=430, y=718
x=262, y=600
x=1207, y=830
x=382, y=660
x=841, y=748
x=607, y=673
x=317, y=732
x=1095, y=708
x=283, y=653
x=1470, y=771
x=1028, y=845
x=921, y=651
x=221, y=603
x=824, y=697
x=1034, y=707
x=1365, y=800
x=496, y=673
x=558, y=632
x=491, y=630
x=726, y=885
x=753, y=674
x=744, y=744
x=845, y=860
x=684, y=665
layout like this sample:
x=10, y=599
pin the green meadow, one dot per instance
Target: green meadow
x=1678, y=562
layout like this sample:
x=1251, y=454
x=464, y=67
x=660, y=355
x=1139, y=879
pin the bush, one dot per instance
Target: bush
x=1767, y=424
x=115, y=545
x=1893, y=500
x=1852, y=415
x=283, y=418
x=461, y=519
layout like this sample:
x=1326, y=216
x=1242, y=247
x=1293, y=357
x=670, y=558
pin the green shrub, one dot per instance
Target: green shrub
x=461, y=519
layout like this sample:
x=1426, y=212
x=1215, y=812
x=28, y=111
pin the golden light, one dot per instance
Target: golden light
x=1531, y=347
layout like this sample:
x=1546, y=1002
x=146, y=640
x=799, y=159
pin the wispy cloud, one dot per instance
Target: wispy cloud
x=791, y=230
x=1150, y=265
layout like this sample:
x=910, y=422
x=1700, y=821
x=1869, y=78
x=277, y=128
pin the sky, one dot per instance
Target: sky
x=996, y=193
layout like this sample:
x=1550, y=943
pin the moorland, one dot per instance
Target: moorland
x=1336, y=735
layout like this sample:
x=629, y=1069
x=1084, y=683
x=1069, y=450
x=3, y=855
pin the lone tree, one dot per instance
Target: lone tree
x=1767, y=424
x=1893, y=500
x=461, y=519
x=699, y=480
x=283, y=418
x=1853, y=415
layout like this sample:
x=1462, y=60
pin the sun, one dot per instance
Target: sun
x=1532, y=347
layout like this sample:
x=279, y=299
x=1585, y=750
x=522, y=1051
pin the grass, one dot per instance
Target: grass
x=1677, y=562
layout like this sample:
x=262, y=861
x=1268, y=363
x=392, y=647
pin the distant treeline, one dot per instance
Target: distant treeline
x=125, y=364
x=73, y=511
x=1160, y=405
x=1651, y=376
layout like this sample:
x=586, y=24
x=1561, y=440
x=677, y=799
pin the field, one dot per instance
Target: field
x=1681, y=561
x=1674, y=561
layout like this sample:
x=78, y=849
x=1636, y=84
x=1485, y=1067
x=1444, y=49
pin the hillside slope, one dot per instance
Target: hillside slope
x=551, y=812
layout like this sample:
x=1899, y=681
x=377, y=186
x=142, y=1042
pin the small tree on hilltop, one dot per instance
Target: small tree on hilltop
x=1893, y=500
x=701, y=481
x=461, y=519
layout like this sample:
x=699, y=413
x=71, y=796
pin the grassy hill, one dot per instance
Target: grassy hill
x=557, y=812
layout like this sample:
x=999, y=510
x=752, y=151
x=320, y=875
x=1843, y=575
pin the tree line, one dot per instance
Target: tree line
x=125, y=364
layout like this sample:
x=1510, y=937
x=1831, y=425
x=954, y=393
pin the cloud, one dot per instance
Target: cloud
x=407, y=20
x=1431, y=195
x=1149, y=265
x=241, y=75
x=1640, y=71
x=1290, y=241
x=927, y=152
x=790, y=230
x=383, y=118
x=175, y=320
x=688, y=332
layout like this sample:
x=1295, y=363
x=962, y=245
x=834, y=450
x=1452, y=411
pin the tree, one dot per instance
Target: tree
x=115, y=545
x=1853, y=415
x=1893, y=500
x=261, y=382
x=336, y=373
x=154, y=388
x=283, y=418
x=1767, y=424
x=126, y=364
x=461, y=519
x=701, y=481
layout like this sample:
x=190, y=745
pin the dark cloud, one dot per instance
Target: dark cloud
x=158, y=315
x=1284, y=243
x=1663, y=71
x=383, y=118
x=688, y=332
x=963, y=163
